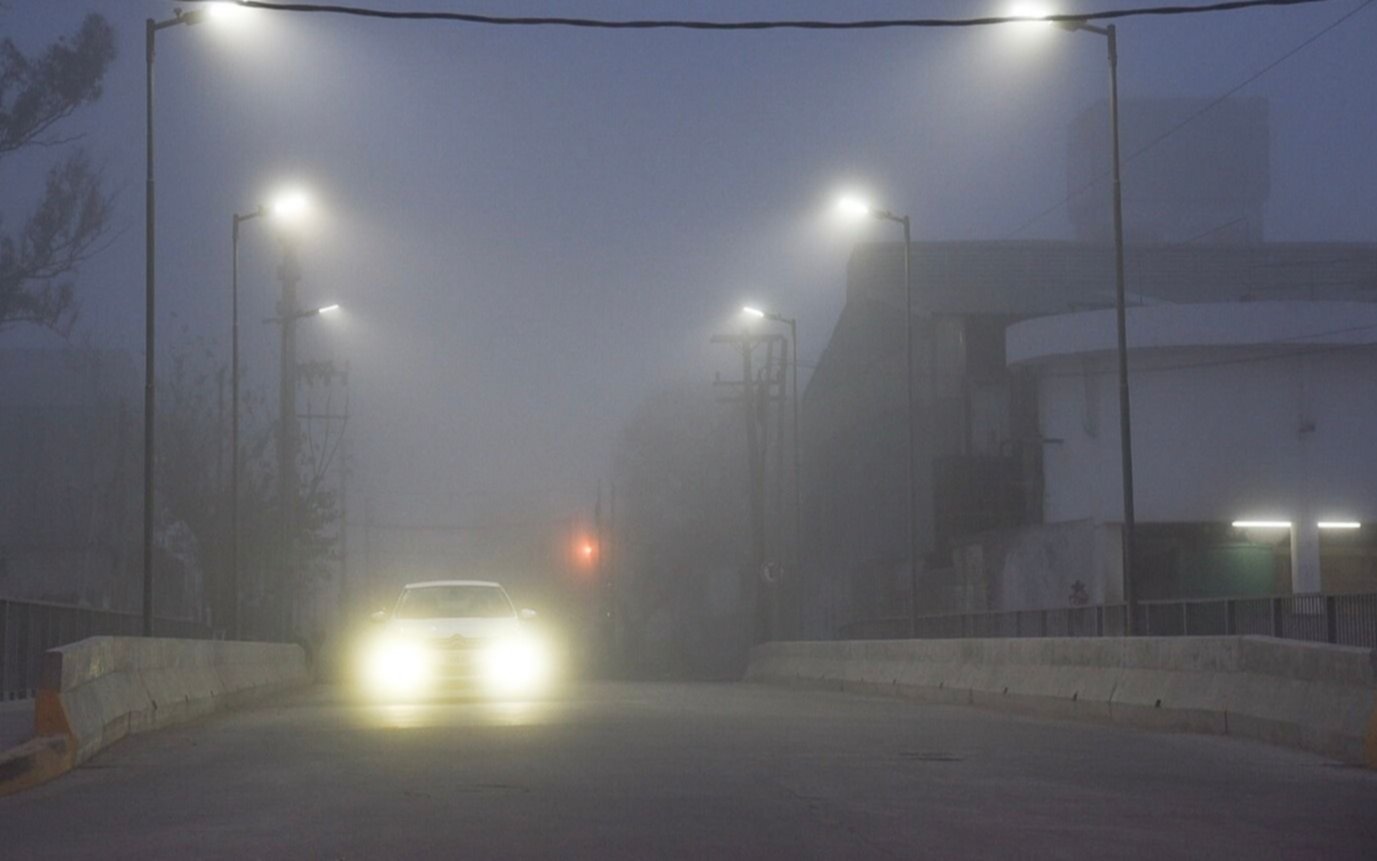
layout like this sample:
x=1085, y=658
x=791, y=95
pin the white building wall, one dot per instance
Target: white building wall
x=1285, y=439
x=1241, y=411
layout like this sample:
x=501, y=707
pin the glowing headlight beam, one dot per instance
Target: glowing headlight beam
x=517, y=664
x=397, y=667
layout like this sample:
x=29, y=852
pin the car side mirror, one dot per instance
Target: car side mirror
x=379, y=616
x=527, y=615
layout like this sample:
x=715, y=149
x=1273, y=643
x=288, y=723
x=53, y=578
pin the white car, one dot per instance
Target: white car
x=463, y=635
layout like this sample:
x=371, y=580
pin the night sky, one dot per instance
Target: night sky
x=531, y=229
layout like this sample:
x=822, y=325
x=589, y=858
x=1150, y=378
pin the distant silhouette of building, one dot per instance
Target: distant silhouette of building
x=1193, y=172
x=71, y=482
x=982, y=493
x=69, y=503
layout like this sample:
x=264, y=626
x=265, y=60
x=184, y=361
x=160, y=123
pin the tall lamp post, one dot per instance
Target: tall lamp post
x=1125, y=425
x=287, y=206
x=798, y=493
x=151, y=28
x=858, y=208
x=234, y=418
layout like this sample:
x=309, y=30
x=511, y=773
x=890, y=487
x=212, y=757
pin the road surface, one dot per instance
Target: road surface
x=643, y=771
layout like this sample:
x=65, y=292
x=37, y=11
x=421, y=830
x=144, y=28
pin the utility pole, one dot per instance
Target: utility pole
x=150, y=32
x=370, y=561
x=755, y=469
x=796, y=570
x=754, y=395
x=793, y=582
x=346, y=467
x=1111, y=36
x=288, y=312
x=781, y=587
x=328, y=453
x=213, y=598
x=609, y=549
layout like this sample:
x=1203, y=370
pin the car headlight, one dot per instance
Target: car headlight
x=397, y=666
x=516, y=664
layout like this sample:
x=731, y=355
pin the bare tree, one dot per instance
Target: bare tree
x=36, y=94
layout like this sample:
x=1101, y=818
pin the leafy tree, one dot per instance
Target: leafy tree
x=64, y=229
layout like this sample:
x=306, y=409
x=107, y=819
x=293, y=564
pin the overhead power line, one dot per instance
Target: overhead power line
x=1206, y=108
x=781, y=24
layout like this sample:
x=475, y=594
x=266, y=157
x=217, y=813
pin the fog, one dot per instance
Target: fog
x=532, y=231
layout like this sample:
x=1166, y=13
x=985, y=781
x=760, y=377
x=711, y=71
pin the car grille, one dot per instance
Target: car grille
x=459, y=642
x=457, y=658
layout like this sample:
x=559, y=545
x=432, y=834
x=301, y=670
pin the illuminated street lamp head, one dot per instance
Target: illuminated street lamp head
x=852, y=206
x=291, y=205
x=221, y=11
x=218, y=12
x=1030, y=13
x=753, y=312
x=328, y=309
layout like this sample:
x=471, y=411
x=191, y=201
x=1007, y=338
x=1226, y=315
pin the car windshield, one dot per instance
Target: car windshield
x=454, y=602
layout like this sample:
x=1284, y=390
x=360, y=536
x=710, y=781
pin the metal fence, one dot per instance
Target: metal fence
x=1349, y=620
x=30, y=628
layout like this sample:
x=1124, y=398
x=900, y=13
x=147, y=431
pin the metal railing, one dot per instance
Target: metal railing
x=1349, y=620
x=30, y=628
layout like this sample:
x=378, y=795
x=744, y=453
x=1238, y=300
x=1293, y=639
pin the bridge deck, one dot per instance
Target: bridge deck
x=643, y=771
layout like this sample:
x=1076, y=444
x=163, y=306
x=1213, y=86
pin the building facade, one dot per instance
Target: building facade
x=988, y=523
x=1243, y=413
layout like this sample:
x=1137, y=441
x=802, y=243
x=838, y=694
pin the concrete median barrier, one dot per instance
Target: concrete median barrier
x=94, y=692
x=1312, y=696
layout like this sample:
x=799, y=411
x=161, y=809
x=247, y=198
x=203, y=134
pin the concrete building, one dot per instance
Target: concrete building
x=1018, y=472
x=989, y=529
x=1242, y=413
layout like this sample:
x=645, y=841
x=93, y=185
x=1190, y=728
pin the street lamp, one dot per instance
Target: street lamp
x=151, y=28
x=303, y=314
x=289, y=205
x=750, y=311
x=1125, y=425
x=855, y=207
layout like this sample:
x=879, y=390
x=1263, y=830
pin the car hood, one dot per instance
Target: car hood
x=444, y=629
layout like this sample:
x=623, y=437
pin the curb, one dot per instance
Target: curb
x=96, y=691
x=36, y=761
x=1314, y=697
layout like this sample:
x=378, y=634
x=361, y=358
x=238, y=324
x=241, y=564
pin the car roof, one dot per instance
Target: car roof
x=425, y=583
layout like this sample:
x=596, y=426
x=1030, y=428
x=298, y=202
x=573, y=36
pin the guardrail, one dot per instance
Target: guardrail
x=30, y=628
x=1349, y=620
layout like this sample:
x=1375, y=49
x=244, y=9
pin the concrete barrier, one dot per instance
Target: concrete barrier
x=1312, y=696
x=94, y=692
